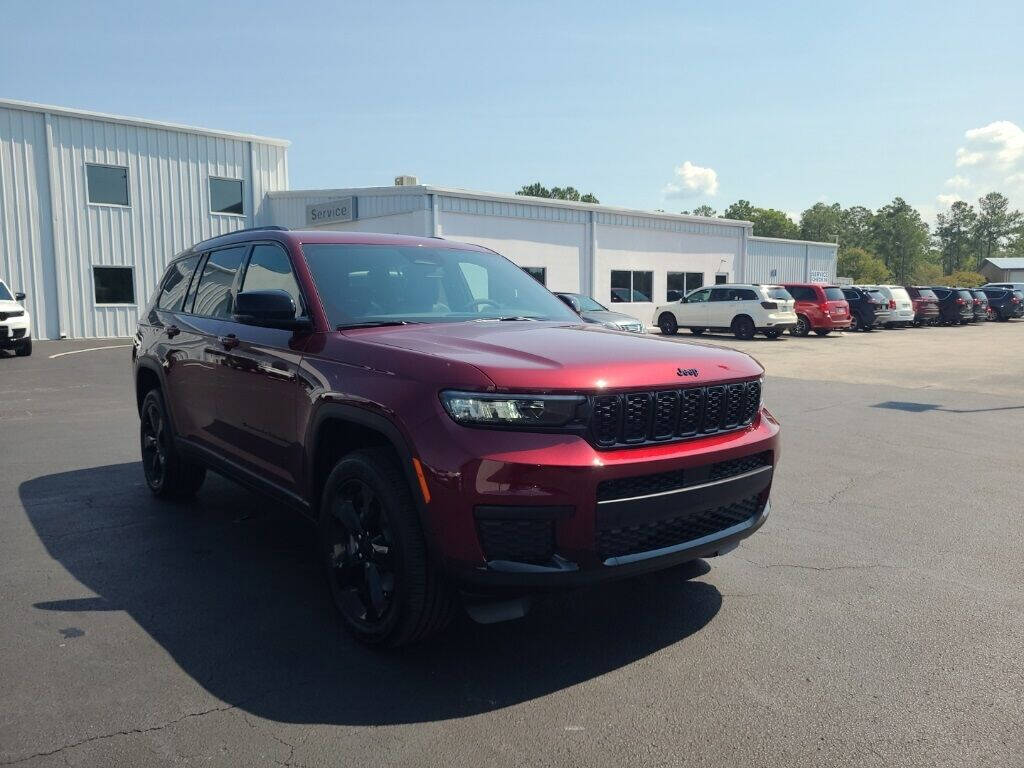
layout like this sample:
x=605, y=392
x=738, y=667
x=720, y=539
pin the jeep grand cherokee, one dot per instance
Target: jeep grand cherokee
x=448, y=424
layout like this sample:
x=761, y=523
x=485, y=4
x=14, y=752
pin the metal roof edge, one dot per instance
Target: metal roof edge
x=788, y=240
x=141, y=122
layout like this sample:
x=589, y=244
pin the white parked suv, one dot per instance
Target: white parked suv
x=15, y=323
x=743, y=309
x=901, y=308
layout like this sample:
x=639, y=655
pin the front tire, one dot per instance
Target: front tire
x=168, y=474
x=802, y=327
x=667, y=323
x=382, y=581
x=24, y=349
x=743, y=328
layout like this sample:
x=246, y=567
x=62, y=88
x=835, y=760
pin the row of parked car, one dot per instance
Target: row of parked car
x=801, y=308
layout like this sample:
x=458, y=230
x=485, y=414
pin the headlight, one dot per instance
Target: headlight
x=525, y=411
x=613, y=326
x=760, y=405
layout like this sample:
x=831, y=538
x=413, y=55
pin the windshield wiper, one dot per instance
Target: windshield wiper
x=376, y=324
x=509, y=317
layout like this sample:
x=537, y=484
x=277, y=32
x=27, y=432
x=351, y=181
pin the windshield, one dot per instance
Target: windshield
x=835, y=294
x=5, y=295
x=382, y=284
x=587, y=304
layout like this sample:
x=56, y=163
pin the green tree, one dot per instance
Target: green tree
x=741, y=210
x=557, y=193
x=928, y=273
x=856, y=228
x=964, y=278
x=769, y=222
x=901, y=238
x=995, y=224
x=955, y=233
x=862, y=266
x=821, y=222
x=705, y=210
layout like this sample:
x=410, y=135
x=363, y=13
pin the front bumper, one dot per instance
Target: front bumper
x=554, y=479
x=14, y=331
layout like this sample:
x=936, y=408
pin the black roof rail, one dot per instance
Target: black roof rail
x=274, y=227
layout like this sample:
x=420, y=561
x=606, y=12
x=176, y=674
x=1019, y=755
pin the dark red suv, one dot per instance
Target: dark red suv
x=450, y=426
x=819, y=308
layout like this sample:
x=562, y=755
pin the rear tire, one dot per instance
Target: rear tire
x=802, y=327
x=383, y=583
x=743, y=328
x=168, y=474
x=668, y=325
x=823, y=332
x=855, y=324
x=773, y=333
x=24, y=349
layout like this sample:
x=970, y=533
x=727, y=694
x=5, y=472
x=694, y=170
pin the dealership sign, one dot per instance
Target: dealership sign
x=332, y=212
x=819, y=276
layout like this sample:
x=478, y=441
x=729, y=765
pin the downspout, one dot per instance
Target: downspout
x=807, y=263
x=434, y=228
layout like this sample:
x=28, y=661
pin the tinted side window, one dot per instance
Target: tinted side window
x=172, y=292
x=850, y=295
x=213, y=297
x=269, y=269
x=833, y=294
x=720, y=294
x=746, y=294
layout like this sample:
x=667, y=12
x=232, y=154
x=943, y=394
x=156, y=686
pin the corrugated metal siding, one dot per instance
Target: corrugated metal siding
x=668, y=225
x=791, y=261
x=483, y=207
x=26, y=243
x=50, y=253
x=290, y=210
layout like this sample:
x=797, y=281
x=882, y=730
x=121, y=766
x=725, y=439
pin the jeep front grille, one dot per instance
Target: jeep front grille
x=634, y=418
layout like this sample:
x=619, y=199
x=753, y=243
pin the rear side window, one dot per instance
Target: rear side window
x=878, y=297
x=850, y=295
x=925, y=293
x=801, y=293
x=834, y=294
x=175, y=285
x=213, y=297
x=269, y=269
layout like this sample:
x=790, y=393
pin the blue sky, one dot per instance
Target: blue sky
x=780, y=103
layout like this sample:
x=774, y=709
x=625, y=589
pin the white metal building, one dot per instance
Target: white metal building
x=627, y=257
x=92, y=207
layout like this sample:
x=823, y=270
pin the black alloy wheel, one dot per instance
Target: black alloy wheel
x=154, y=445
x=667, y=323
x=802, y=327
x=360, y=545
x=743, y=328
x=168, y=474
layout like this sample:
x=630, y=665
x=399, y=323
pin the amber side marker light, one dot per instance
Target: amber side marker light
x=423, y=480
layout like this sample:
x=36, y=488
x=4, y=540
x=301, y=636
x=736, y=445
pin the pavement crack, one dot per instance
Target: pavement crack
x=819, y=568
x=126, y=732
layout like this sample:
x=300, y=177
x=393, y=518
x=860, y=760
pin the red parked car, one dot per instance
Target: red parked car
x=447, y=423
x=926, y=304
x=819, y=308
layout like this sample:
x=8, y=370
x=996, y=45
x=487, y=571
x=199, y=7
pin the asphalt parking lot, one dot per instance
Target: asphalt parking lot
x=876, y=620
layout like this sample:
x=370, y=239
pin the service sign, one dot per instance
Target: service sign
x=819, y=276
x=332, y=212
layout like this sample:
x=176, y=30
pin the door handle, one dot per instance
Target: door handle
x=229, y=342
x=172, y=331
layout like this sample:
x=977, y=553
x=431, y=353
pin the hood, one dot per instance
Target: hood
x=549, y=356
x=607, y=316
x=9, y=306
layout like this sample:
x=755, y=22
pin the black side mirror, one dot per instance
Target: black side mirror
x=571, y=301
x=272, y=309
x=19, y=296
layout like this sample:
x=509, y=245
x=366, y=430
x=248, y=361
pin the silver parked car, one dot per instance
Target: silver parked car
x=594, y=312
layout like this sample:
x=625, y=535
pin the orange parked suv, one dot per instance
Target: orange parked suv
x=819, y=308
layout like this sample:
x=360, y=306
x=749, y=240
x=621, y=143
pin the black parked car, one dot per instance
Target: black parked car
x=980, y=304
x=1002, y=303
x=1019, y=304
x=956, y=306
x=865, y=306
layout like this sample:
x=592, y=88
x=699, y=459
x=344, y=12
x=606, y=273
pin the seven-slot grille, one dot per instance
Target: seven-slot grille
x=642, y=417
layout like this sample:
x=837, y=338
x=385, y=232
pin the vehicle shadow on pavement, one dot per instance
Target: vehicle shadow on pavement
x=230, y=586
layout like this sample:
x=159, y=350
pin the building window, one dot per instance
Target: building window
x=113, y=285
x=721, y=278
x=681, y=283
x=226, y=196
x=631, y=286
x=540, y=274
x=107, y=184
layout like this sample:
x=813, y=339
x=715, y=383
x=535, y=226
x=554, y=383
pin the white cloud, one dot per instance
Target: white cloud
x=693, y=181
x=963, y=157
x=958, y=182
x=947, y=200
x=1000, y=143
x=1015, y=180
